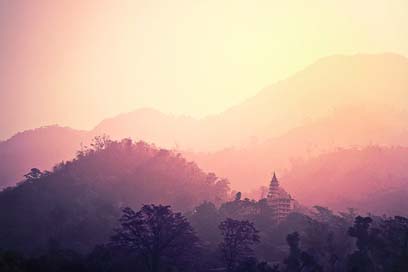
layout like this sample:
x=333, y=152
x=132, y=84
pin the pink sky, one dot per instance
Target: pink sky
x=77, y=62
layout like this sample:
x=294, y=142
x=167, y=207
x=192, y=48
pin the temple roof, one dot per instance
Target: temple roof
x=278, y=191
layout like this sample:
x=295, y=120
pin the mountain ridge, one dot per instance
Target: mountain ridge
x=251, y=137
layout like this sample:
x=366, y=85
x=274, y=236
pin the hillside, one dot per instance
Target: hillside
x=365, y=104
x=343, y=128
x=41, y=148
x=87, y=193
x=335, y=82
x=152, y=126
x=371, y=179
x=331, y=83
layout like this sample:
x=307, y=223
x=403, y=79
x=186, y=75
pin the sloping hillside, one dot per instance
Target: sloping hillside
x=372, y=179
x=41, y=148
x=331, y=83
x=364, y=104
x=251, y=166
x=87, y=193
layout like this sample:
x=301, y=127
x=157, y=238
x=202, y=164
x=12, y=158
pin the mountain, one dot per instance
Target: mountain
x=339, y=101
x=78, y=203
x=42, y=147
x=152, y=126
x=330, y=84
x=371, y=179
x=251, y=166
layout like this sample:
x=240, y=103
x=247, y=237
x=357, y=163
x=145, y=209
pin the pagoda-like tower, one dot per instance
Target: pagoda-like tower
x=279, y=200
x=273, y=187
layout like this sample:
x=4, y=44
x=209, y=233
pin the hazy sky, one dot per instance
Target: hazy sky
x=77, y=62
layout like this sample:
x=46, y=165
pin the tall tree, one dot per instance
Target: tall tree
x=239, y=239
x=299, y=260
x=392, y=251
x=205, y=220
x=156, y=234
x=293, y=261
x=361, y=260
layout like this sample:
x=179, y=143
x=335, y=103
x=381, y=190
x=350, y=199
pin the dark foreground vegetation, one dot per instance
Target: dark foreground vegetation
x=89, y=215
x=157, y=239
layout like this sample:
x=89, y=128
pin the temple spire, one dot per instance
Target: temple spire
x=273, y=186
x=274, y=181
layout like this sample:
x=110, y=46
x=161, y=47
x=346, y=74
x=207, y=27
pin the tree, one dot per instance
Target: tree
x=239, y=238
x=101, y=142
x=293, y=260
x=157, y=235
x=392, y=251
x=361, y=259
x=34, y=174
x=252, y=265
x=238, y=196
x=299, y=260
x=205, y=220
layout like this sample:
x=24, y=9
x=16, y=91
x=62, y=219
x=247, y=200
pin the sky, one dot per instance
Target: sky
x=74, y=63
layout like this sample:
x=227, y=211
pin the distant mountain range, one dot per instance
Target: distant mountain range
x=371, y=179
x=337, y=102
x=332, y=83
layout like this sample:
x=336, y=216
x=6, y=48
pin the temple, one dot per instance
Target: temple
x=280, y=201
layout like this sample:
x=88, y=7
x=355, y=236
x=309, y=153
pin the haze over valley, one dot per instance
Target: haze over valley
x=203, y=136
x=281, y=126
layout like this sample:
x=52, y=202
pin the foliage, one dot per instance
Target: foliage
x=78, y=203
x=156, y=234
x=238, y=240
x=61, y=221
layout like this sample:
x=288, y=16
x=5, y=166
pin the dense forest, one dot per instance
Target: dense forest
x=155, y=238
x=78, y=203
x=124, y=206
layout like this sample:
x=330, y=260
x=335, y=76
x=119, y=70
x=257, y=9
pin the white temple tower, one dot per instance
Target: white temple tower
x=279, y=200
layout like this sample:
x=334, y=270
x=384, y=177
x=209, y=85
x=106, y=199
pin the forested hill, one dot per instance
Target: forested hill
x=372, y=179
x=78, y=203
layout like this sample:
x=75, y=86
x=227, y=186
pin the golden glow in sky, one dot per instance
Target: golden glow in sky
x=77, y=62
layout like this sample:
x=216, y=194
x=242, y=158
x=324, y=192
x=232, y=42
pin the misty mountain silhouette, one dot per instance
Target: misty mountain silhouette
x=372, y=179
x=343, y=128
x=339, y=101
x=329, y=84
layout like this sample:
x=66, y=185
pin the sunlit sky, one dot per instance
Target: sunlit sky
x=77, y=62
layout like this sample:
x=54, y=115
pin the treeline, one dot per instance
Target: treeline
x=156, y=239
x=79, y=201
x=88, y=215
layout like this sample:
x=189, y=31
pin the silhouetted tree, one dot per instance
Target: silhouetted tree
x=325, y=237
x=101, y=142
x=392, y=251
x=205, y=220
x=252, y=265
x=156, y=234
x=293, y=260
x=238, y=196
x=238, y=240
x=299, y=260
x=34, y=174
x=361, y=260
